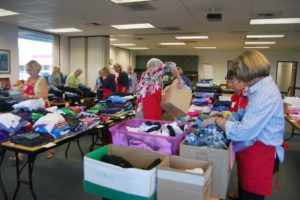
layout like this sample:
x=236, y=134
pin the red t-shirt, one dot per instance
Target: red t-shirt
x=238, y=101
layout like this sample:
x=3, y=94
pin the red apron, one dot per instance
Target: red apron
x=151, y=106
x=106, y=92
x=119, y=88
x=29, y=90
x=255, y=168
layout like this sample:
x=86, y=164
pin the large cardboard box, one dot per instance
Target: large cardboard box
x=221, y=169
x=176, y=101
x=113, y=182
x=173, y=182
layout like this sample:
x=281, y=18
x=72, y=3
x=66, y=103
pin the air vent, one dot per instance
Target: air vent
x=265, y=14
x=170, y=28
x=140, y=6
x=95, y=24
x=139, y=38
x=215, y=17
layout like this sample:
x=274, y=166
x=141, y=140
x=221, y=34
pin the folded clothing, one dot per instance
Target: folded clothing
x=73, y=122
x=49, y=121
x=116, y=99
x=29, y=139
x=31, y=104
x=109, y=111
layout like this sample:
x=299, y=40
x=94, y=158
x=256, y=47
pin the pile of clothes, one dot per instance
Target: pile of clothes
x=156, y=128
x=11, y=124
x=210, y=136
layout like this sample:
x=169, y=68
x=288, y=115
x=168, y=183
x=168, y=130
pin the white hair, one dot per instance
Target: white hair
x=154, y=62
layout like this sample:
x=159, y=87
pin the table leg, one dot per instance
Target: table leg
x=30, y=162
x=2, y=153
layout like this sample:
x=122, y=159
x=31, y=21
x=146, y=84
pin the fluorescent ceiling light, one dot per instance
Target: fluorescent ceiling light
x=258, y=47
x=4, y=12
x=112, y=39
x=265, y=36
x=275, y=21
x=124, y=44
x=127, y=1
x=260, y=42
x=133, y=26
x=139, y=48
x=64, y=30
x=191, y=37
x=171, y=43
x=205, y=47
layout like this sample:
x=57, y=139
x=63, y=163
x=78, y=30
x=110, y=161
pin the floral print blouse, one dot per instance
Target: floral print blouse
x=152, y=81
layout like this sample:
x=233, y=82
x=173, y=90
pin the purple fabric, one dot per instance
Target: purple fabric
x=166, y=144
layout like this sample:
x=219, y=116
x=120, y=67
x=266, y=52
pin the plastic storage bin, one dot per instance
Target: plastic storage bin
x=165, y=144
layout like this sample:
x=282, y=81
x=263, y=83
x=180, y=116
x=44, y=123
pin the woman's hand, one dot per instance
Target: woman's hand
x=180, y=83
x=208, y=121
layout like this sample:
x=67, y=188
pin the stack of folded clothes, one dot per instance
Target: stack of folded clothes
x=52, y=124
x=29, y=139
x=11, y=124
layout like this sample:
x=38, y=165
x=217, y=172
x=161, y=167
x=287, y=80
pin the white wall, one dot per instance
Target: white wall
x=9, y=41
x=90, y=54
x=64, y=54
x=121, y=56
x=97, y=57
x=219, y=59
x=78, y=56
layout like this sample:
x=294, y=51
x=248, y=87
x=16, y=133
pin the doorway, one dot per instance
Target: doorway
x=286, y=77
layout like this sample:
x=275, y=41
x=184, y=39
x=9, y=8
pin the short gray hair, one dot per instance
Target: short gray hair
x=154, y=62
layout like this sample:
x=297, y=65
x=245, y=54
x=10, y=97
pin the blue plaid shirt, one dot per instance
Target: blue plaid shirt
x=263, y=120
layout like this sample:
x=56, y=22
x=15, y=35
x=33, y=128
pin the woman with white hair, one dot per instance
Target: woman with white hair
x=151, y=85
x=73, y=80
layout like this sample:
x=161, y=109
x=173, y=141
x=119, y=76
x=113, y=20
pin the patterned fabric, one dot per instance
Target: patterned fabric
x=151, y=82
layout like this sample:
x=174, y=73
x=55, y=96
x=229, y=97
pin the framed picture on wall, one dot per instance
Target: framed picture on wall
x=4, y=61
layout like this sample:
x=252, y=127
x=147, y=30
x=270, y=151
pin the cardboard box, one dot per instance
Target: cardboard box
x=221, y=169
x=173, y=182
x=114, y=182
x=176, y=101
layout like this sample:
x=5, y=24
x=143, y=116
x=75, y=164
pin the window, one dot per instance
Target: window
x=35, y=46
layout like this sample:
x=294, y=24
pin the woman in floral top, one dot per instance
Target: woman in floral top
x=151, y=85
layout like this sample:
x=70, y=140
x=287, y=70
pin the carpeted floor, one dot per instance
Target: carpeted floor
x=61, y=179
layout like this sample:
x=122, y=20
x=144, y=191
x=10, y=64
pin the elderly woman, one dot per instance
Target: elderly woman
x=258, y=137
x=55, y=78
x=122, y=79
x=73, y=80
x=151, y=85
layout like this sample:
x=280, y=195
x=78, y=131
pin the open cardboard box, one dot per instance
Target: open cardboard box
x=221, y=166
x=114, y=182
x=176, y=101
x=173, y=182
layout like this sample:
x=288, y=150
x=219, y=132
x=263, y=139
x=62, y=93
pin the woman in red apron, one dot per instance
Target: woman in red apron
x=151, y=84
x=122, y=79
x=36, y=87
x=258, y=137
x=108, y=82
